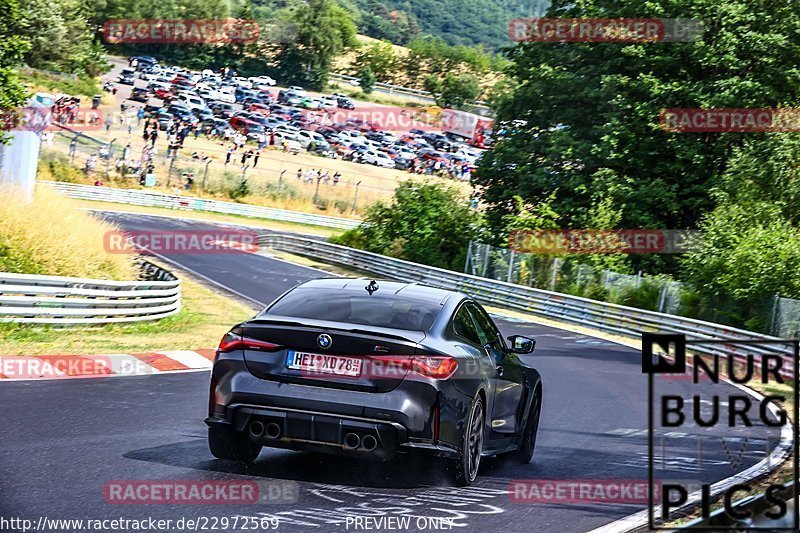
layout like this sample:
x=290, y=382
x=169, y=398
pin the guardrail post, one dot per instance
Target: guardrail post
x=205, y=175
x=171, y=164
x=773, y=320
x=355, y=197
x=662, y=298
x=555, y=273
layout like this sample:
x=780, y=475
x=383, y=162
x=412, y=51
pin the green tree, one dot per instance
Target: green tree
x=426, y=222
x=744, y=255
x=12, y=50
x=61, y=37
x=324, y=30
x=366, y=79
x=589, y=112
x=380, y=58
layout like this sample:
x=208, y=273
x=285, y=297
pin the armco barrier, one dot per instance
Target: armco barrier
x=32, y=299
x=603, y=316
x=172, y=201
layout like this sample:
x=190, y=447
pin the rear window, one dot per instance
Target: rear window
x=378, y=310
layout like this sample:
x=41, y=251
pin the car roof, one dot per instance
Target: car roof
x=412, y=290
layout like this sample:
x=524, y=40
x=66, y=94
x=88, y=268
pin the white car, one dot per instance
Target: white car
x=148, y=76
x=328, y=101
x=258, y=81
x=297, y=90
x=242, y=82
x=293, y=146
x=305, y=138
x=284, y=135
x=378, y=159
x=372, y=144
x=406, y=154
x=192, y=101
x=352, y=136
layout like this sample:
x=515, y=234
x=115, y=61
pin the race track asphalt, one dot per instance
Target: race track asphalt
x=64, y=440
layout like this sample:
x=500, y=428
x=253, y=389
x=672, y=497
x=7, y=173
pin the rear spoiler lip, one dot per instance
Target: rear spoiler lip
x=388, y=333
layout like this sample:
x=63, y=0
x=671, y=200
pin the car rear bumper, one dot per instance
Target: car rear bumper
x=327, y=420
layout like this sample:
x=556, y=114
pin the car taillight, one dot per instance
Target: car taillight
x=232, y=341
x=436, y=367
x=433, y=366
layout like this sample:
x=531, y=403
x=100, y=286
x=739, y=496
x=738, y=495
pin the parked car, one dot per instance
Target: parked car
x=140, y=94
x=164, y=94
x=262, y=81
x=127, y=76
x=248, y=127
x=305, y=138
x=345, y=103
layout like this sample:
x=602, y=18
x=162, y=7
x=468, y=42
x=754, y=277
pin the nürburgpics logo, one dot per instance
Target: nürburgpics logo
x=714, y=427
x=184, y=31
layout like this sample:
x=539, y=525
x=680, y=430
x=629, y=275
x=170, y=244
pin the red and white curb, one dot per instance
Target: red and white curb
x=43, y=367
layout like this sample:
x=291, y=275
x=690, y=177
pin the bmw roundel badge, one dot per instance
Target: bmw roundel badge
x=324, y=341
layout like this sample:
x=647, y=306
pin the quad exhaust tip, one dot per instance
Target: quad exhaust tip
x=369, y=443
x=351, y=441
x=273, y=430
x=256, y=429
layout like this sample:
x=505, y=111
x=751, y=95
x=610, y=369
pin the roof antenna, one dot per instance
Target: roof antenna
x=372, y=287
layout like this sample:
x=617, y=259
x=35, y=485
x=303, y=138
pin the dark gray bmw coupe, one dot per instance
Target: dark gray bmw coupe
x=371, y=369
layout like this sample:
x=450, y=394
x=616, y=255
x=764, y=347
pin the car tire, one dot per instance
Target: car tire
x=469, y=458
x=232, y=445
x=526, y=448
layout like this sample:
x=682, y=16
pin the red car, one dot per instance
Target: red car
x=164, y=94
x=260, y=108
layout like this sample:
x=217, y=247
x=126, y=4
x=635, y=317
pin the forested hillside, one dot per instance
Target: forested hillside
x=466, y=22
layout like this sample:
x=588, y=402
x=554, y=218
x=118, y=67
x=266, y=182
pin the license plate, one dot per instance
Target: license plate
x=324, y=364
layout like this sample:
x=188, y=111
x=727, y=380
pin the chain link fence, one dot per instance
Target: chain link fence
x=654, y=293
x=785, y=318
x=275, y=180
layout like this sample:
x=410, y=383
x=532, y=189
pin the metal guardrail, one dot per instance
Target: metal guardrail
x=425, y=96
x=607, y=317
x=56, y=300
x=171, y=201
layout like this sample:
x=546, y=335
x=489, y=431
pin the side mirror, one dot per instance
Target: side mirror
x=521, y=344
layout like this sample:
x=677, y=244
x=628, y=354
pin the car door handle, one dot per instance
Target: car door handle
x=500, y=371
